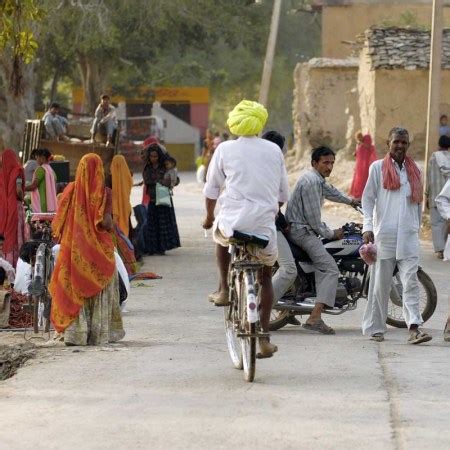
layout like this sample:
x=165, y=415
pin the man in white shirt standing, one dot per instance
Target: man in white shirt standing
x=248, y=178
x=392, y=214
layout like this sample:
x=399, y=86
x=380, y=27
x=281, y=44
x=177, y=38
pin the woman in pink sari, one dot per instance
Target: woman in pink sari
x=11, y=208
x=43, y=186
x=366, y=154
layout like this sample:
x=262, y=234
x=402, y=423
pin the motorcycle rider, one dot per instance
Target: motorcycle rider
x=304, y=215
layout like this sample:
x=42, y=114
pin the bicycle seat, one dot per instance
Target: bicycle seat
x=240, y=238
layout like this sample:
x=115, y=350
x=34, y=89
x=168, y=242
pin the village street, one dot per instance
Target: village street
x=170, y=384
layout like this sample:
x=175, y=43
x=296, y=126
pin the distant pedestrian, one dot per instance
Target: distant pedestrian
x=161, y=232
x=444, y=128
x=392, y=205
x=365, y=155
x=105, y=121
x=438, y=174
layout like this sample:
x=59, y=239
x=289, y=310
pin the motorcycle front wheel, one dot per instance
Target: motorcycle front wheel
x=428, y=300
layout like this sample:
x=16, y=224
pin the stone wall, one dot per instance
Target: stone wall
x=325, y=104
x=345, y=22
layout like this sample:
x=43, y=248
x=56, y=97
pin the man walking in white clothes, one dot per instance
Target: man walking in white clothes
x=392, y=213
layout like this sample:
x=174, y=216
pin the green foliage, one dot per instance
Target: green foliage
x=17, y=36
x=408, y=19
x=216, y=43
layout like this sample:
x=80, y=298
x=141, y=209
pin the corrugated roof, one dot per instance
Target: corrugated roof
x=393, y=48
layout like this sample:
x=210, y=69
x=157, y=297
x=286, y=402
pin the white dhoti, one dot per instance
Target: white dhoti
x=375, y=315
x=438, y=229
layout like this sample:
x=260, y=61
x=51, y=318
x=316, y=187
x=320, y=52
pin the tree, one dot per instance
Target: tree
x=18, y=45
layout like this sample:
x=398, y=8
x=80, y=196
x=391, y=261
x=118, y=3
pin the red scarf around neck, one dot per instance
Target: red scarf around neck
x=391, y=179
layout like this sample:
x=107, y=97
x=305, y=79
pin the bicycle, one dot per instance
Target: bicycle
x=242, y=325
x=39, y=305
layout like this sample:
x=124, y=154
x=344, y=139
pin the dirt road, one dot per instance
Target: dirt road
x=170, y=384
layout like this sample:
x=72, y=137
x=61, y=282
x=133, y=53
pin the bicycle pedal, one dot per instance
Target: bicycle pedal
x=253, y=335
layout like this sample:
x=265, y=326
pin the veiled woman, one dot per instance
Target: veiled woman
x=161, y=230
x=12, y=218
x=84, y=284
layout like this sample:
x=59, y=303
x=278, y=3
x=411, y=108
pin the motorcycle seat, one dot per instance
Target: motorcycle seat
x=299, y=254
x=240, y=238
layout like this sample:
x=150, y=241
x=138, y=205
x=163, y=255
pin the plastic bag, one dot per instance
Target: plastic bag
x=368, y=253
x=162, y=195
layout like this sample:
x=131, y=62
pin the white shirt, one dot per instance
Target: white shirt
x=23, y=277
x=391, y=215
x=443, y=206
x=253, y=173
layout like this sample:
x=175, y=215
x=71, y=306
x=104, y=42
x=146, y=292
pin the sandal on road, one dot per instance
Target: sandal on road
x=377, y=337
x=319, y=327
x=418, y=337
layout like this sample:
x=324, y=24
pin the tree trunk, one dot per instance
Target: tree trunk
x=17, y=108
x=93, y=81
x=54, y=86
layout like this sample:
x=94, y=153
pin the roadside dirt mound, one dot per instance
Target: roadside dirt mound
x=14, y=356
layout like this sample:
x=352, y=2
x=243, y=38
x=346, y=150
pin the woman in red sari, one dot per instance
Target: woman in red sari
x=366, y=154
x=12, y=217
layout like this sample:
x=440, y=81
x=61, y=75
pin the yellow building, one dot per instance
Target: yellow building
x=344, y=20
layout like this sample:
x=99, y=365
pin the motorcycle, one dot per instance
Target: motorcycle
x=353, y=284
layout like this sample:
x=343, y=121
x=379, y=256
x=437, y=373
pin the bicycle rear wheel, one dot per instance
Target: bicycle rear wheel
x=233, y=342
x=248, y=343
x=249, y=354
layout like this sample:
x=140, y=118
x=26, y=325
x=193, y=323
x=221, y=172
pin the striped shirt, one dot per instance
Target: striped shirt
x=305, y=204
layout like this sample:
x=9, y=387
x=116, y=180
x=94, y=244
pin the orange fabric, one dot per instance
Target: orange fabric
x=122, y=182
x=391, y=179
x=85, y=263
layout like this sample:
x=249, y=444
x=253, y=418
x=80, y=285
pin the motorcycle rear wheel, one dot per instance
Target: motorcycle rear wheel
x=428, y=302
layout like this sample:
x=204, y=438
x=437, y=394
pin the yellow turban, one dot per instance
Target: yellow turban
x=247, y=118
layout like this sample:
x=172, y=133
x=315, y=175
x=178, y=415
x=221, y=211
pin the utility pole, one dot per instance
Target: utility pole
x=270, y=53
x=434, y=86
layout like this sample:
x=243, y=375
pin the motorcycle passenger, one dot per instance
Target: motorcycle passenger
x=287, y=270
x=253, y=173
x=304, y=215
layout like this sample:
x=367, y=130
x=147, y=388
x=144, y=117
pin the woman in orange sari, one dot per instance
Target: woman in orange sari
x=85, y=285
x=121, y=183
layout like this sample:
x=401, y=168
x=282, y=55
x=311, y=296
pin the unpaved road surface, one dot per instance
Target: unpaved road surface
x=170, y=384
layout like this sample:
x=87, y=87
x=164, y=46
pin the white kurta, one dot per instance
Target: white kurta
x=443, y=206
x=391, y=215
x=395, y=221
x=253, y=173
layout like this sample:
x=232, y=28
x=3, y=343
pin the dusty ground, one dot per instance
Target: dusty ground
x=170, y=384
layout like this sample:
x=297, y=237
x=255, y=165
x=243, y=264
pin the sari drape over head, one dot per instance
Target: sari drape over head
x=122, y=183
x=9, y=211
x=366, y=154
x=85, y=263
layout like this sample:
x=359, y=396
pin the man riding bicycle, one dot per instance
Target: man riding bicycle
x=253, y=173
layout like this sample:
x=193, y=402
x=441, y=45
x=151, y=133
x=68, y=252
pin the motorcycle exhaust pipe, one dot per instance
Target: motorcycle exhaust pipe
x=306, y=308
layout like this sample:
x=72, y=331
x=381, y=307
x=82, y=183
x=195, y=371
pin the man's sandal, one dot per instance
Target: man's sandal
x=418, y=337
x=319, y=327
x=267, y=349
x=377, y=337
